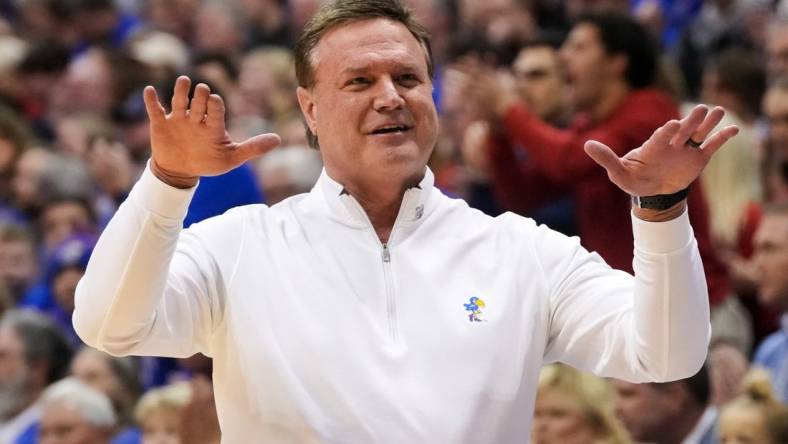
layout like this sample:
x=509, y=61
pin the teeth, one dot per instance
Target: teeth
x=390, y=129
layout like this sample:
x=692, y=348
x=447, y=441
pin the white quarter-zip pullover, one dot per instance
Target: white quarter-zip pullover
x=320, y=333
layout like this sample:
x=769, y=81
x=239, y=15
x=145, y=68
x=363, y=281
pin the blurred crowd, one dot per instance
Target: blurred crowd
x=520, y=86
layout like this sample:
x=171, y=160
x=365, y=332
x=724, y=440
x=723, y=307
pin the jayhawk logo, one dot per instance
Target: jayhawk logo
x=474, y=307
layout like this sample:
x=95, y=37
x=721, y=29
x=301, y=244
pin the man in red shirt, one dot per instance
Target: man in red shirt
x=610, y=65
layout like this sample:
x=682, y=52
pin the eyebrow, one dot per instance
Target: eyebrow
x=366, y=68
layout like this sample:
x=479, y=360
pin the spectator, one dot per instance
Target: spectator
x=26, y=184
x=775, y=110
x=775, y=159
x=539, y=77
x=539, y=83
x=164, y=53
x=15, y=137
x=18, y=263
x=572, y=406
x=288, y=171
x=611, y=63
x=735, y=80
x=755, y=416
x=220, y=29
x=74, y=413
x=777, y=48
x=668, y=413
x=102, y=23
x=62, y=217
x=118, y=379
x=159, y=413
x=66, y=264
x=35, y=354
x=268, y=22
x=771, y=261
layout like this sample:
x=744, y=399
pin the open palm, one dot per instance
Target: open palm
x=192, y=140
x=666, y=163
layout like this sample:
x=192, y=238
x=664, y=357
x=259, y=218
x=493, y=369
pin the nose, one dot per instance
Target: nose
x=387, y=97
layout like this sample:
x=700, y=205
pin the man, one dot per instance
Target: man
x=771, y=261
x=33, y=354
x=374, y=308
x=75, y=413
x=18, y=264
x=777, y=48
x=610, y=66
x=539, y=81
x=775, y=109
x=670, y=413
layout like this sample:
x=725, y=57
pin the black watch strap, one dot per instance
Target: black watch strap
x=660, y=201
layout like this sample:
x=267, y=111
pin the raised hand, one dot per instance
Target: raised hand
x=668, y=162
x=192, y=141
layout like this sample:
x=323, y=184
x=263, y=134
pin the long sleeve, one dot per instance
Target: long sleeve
x=654, y=327
x=559, y=152
x=149, y=288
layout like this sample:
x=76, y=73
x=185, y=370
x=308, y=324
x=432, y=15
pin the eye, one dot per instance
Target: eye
x=408, y=80
x=358, y=81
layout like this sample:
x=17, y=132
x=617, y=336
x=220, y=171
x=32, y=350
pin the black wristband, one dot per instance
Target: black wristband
x=660, y=201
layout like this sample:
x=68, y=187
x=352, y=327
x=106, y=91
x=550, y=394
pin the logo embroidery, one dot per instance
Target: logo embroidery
x=474, y=307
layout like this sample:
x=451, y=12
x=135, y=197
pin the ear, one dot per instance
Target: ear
x=618, y=65
x=308, y=109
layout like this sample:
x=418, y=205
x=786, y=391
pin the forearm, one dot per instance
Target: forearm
x=124, y=283
x=671, y=309
x=653, y=327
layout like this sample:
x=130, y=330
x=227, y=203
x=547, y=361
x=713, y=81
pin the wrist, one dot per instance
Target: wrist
x=173, y=180
x=660, y=208
x=652, y=215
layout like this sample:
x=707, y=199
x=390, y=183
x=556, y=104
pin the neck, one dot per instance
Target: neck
x=681, y=426
x=612, y=95
x=380, y=198
x=381, y=209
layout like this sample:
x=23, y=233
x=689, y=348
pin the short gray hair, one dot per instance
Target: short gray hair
x=42, y=340
x=90, y=404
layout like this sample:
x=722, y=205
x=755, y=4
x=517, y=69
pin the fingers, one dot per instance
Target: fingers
x=215, y=111
x=663, y=135
x=709, y=123
x=199, y=103
x=256, y=146
x=180, y=96
x=713, y=143
x=152, y=105
x=689, y=126
x=605, y=157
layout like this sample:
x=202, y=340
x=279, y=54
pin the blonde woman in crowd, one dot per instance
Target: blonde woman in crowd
x=575, y=408
x=755, y=416
x=159, y=413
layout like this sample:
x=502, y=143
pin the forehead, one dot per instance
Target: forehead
x=536, y=56
x=365, y=44
x=60, y=413
x=586, y=33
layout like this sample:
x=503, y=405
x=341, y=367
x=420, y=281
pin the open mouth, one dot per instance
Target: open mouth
x=392, y=129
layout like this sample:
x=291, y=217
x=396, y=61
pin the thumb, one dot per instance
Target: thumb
x=604, y=156
x=257, y=145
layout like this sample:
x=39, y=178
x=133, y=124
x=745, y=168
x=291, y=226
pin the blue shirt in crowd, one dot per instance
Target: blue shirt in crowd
x=772, y=355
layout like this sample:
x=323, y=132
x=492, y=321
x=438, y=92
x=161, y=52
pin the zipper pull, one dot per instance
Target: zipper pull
x=386, y=255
